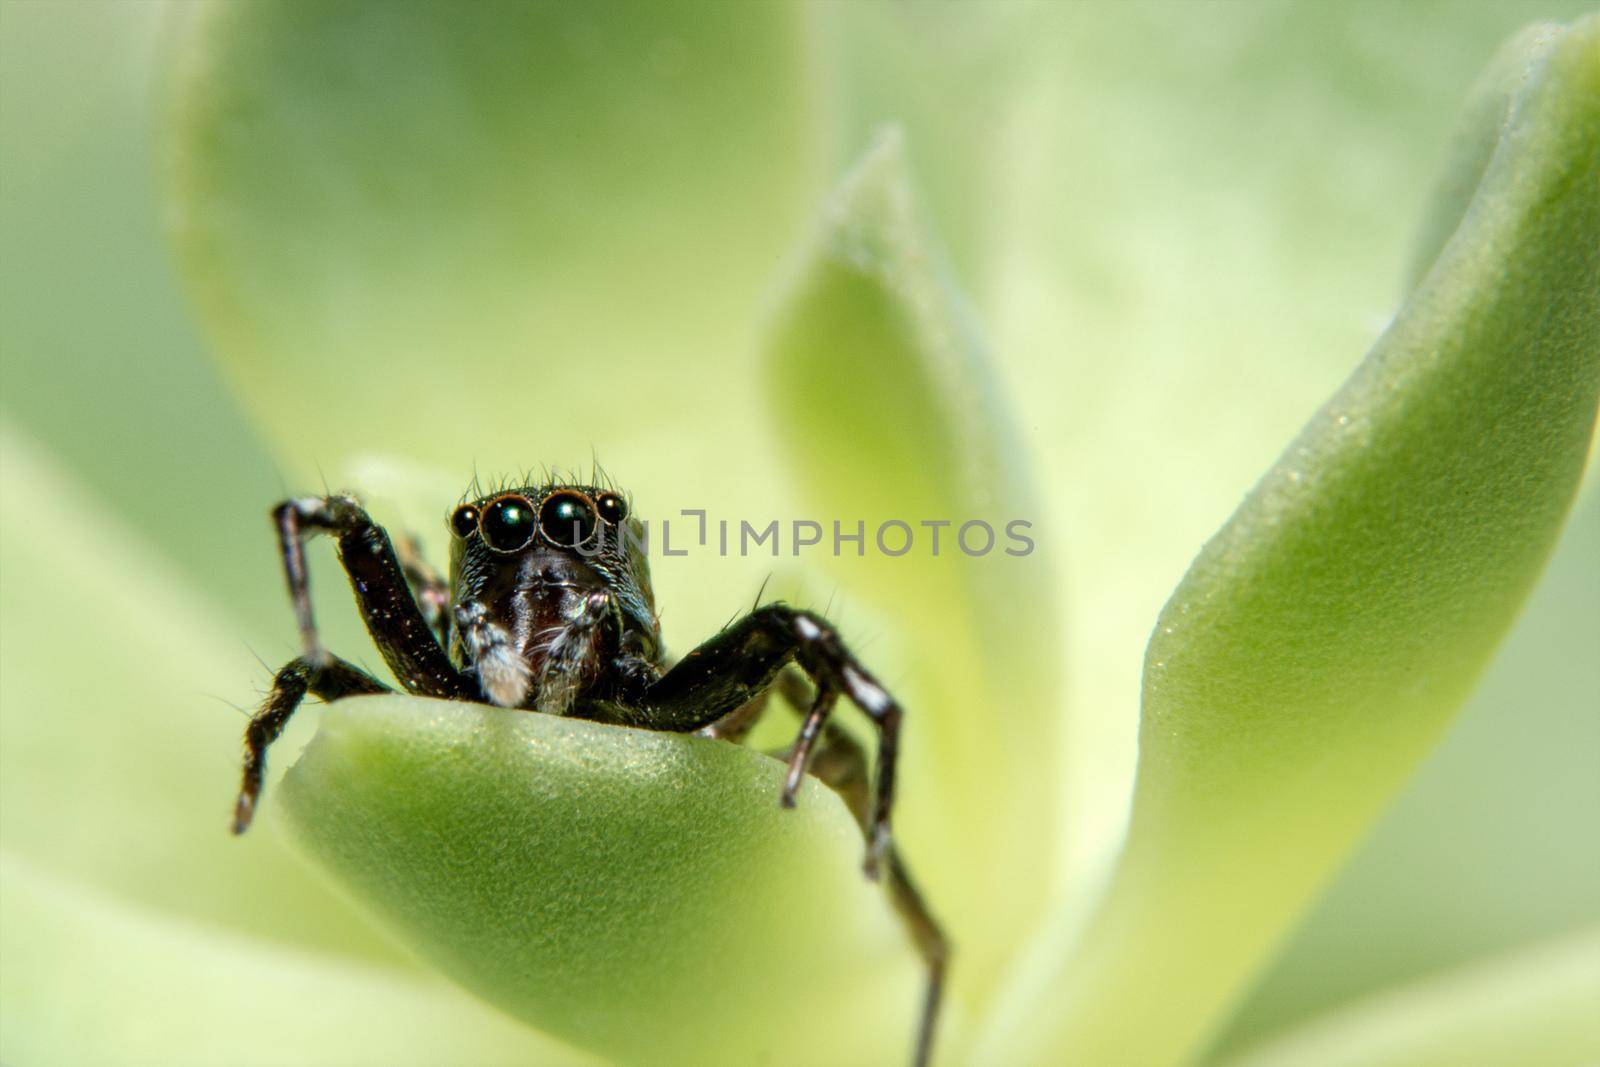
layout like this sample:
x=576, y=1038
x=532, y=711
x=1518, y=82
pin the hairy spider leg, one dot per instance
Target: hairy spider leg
x=742, y=660
x=330, y=681
x=840, y=762
x=737, y=724
x=388, y=606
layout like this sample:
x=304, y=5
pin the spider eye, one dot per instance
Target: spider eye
x=464, y=520
x=567, y=519
x=508, y=524
x=612, y=507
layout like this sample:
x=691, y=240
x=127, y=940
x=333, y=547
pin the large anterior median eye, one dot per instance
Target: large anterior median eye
x=567, y=519
x=508, y=524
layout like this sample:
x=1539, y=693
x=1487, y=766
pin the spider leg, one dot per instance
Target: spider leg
x=828, y=751
x=738, y=723
x=431, y=590
x=800, y=756
x=745, y=658
x=721, y=689
x=735, y=725
x=388, y=606
x=841, y=762
x=330, y=681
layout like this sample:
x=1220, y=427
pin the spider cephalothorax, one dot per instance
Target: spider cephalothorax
x=550, y=586
x=549, y=608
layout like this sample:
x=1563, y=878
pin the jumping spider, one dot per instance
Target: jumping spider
x=549, y=608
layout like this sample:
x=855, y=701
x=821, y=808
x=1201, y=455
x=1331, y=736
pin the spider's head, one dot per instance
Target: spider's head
x=527, y=554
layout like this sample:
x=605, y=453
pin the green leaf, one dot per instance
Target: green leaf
x=1521, y=755
x=505, y=208
x=122, y=773
x=1489, y=107
x=103, y=363
x=893, y=413
x=948, y=75
x=1327, y=634
x=94, y=978
x=635, y=893
x=1533, y=1008
x=1196, y=210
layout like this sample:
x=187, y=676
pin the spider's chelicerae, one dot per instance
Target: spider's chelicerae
x=549, y=609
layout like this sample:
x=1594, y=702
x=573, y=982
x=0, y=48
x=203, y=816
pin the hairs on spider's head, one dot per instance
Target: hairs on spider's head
x=543, y=477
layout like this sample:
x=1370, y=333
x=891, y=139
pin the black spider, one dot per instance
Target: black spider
x=549, y=608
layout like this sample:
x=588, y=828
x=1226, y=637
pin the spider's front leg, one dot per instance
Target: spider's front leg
x=330, y=681
x=742, y=662
x=388, y=607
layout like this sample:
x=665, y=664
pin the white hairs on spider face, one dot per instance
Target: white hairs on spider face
x=502, y=673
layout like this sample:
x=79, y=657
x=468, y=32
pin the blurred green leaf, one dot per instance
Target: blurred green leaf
x=103, y=364
x=123, y=774
x=635, y=893
x=1325, y=636
x=1533, y=1008
x=93, y=978
x=949, y=75
x=499, y=207
x=893, y=413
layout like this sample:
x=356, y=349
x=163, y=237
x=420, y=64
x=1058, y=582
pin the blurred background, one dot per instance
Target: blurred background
x=1179, y=226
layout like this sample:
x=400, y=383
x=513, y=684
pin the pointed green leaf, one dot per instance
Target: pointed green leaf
x=1196, y=219
x=1326, y=635
x=1534, y=1007
x=893, y=414
x=949, y=75
x=638, y=894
